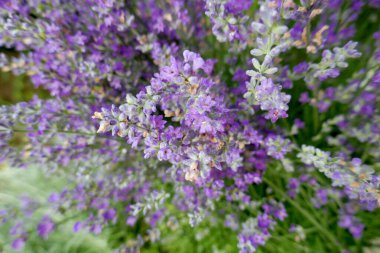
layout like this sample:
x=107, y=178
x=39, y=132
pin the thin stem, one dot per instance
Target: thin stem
x=308, y=32
x=289, y=130
x=61, y=131
x=326, y=233
x=364, y=83
x=69, y=132
x=315, y=112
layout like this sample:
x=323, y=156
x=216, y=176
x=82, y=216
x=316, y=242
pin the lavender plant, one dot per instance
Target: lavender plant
x=193, y=126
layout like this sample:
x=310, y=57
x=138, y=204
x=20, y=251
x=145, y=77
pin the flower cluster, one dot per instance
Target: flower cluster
x=349, y=221
x=227, y=18
x=255, y=231
x=204, y=138
x=358, y=178
x=272, y=40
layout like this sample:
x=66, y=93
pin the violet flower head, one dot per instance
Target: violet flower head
x=271, y=99
x=18, y=244
x=45, y=227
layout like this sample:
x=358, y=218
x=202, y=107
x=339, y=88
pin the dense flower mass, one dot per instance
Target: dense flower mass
x=196, y=120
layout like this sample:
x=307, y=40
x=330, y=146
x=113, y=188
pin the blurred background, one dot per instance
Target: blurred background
x=15, y=182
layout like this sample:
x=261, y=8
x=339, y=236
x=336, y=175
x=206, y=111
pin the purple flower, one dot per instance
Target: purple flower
x=131, y=220
x=296, y=31
x=352, y=224
x=277, y=146
x=157, y=122
x=237, y=6
x=54, y=197
x=264, y=222
x=110, y=214
x=194, y=59
x=271, y=99
x=304, y=98
x=330, y=73
x=299, y=123
x=301, y=68
x=96, y=229
x=18, y=244
x=77, y=226
x=45, y=227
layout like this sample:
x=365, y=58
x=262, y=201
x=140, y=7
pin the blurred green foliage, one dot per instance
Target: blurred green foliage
x=14, y=88
x=15, y=183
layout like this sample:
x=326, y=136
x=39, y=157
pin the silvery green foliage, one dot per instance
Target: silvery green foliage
x=196, y=217
x=277, y=147
x=316, y=157
x=271, y=41
x=150, y=203
x=353, y=175
x=249, y=227
x=333, y=61
x=226, y=26
x=216, y=11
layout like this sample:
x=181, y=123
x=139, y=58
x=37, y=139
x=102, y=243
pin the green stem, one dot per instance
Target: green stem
x=289, y=130
x=326, y=233
x=60, y=131
x=364, y=84
x=74, y=133
x=315, y=112
x=308, y=32
x=296, y=244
